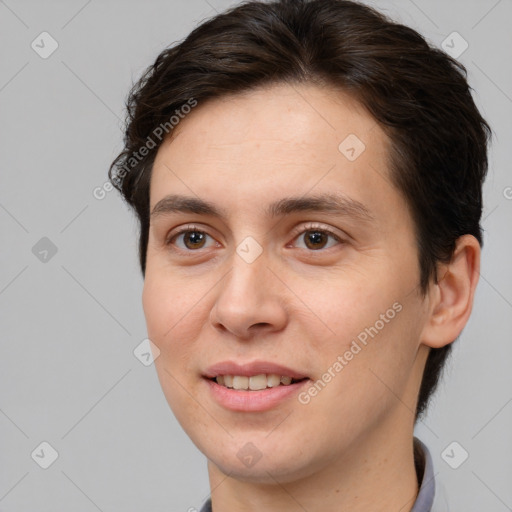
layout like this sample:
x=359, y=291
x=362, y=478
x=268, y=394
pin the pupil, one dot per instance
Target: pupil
x=315, y=237
x=195, y=237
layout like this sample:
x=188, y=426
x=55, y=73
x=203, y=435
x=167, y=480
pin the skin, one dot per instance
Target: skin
x=350, y=447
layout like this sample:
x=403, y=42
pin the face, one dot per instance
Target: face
x=269, y=279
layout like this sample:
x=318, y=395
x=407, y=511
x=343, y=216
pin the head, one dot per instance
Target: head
x=303, y=99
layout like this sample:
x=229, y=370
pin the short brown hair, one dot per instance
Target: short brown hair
x=417, y=93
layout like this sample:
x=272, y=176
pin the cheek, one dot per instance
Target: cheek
x=350, y=309
x=170, y=326
x=369, y=329
x=170, y=309
x=155, y=308
x=368, y=364
x=163, y=314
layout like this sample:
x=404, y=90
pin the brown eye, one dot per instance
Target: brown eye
x=190, y=239
x=315, y=239
x=194, y=238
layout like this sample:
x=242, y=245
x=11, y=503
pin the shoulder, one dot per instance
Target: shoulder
x=207, y=507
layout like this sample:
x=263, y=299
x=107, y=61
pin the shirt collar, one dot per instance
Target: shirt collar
x=424, y=467
x=424, y=472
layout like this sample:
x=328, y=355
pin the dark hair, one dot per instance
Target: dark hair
x=417, y=93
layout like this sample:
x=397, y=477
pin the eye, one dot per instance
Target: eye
x=192, y=237
x=316, y=237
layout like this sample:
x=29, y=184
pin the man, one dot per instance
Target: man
x=307, y=176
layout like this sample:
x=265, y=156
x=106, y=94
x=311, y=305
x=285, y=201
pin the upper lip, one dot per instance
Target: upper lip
x=250, y=369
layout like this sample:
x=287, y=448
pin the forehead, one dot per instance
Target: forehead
x=304, y=115
x=274, y=141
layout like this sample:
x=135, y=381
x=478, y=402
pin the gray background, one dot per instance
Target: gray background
x=71, y=320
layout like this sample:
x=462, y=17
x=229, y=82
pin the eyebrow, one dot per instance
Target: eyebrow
x=320, y=203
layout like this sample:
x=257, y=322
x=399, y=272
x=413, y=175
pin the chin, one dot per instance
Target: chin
x=276, y=466
x=261, y=473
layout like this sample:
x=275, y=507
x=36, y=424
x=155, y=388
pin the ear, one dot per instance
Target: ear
x=451, y=298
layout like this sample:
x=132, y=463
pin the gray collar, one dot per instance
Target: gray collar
x=422, y=458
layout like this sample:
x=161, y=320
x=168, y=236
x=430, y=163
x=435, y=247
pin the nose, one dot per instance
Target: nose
x=251, y=299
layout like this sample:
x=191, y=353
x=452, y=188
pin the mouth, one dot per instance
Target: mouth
x=255, y=386
x=255, y=382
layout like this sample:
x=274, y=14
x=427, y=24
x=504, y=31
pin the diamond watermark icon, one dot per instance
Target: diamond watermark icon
x=454, y=45
x=146, y=352
x=351, y=147
x=454, y=455
x=249, y=455
x=249, y=249
x=44, y=45
x=44, y=250
x=44, y=455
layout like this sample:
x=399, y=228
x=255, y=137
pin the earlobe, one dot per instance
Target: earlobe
x=451, y=298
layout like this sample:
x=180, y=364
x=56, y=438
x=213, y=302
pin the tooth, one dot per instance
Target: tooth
x=240, y=382
x=254, y=383
x=258, y=382
x=273, y=380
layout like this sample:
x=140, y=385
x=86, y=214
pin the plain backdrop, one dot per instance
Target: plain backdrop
x=70, y=286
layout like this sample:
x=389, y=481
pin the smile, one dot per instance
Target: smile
x=254, y=382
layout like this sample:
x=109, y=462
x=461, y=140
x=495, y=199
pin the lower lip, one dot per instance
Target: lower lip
x=253, y=401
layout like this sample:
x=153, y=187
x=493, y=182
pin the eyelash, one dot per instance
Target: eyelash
x=303, y=229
